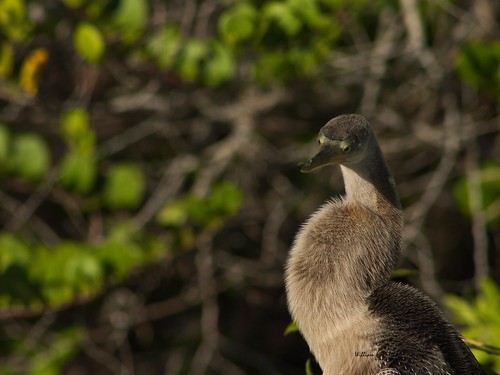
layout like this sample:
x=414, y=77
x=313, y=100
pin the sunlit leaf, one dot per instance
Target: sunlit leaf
x=13, y=21
x=83, y=267
x=403, y=272
x=308, y=369
x=284, y=16
x=462, y=309
x=124, y=186
x=89, y=42
x=172, y=214
x=12, y=251
x=309, y=11
x=130, y=17
x=238, y=23
x=189, y=61
x=61, y=346
x=77, y=172
x=30, y=156
x=119, y=257
x=489, y=184
x=480, y=321
x=164, y=46
x=221, y=66
x=76, y=130
x=291, y=328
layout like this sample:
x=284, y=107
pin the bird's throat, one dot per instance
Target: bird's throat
x=370, y=183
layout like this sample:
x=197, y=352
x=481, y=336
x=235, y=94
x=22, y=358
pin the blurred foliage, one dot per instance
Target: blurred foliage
x=39, y=275
x=480, y=320
x=84, y=205
x=477, y=64
x=49, y=360
x=489, y=186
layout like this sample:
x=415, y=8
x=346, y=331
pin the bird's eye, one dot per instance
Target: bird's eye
x=345, y=147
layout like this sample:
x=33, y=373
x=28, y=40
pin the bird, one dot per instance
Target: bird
x=339, y=291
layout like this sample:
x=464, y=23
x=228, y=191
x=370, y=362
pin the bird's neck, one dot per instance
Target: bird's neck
x=370, y=183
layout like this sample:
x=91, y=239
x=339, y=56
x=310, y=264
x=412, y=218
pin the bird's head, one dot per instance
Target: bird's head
x=344, y=140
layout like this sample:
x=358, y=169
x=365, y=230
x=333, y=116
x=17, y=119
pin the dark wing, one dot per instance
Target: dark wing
x=416, y=338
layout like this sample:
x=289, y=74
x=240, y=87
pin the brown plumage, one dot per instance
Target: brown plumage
x=338, y=270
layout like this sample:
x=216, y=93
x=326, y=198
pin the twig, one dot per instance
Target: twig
x=416, y=40
x=102, y=357
x=417, y=213
x=451, y=138
x=490, y=349
x=242, y=115
x=188, y=17
x=171, y=181
x=129, y=137
x=209, y=309
x=479, y=232
x=387, y=32
x=34, y=201
x=12, y=206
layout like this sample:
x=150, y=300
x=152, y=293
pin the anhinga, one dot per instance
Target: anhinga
x=355, y=320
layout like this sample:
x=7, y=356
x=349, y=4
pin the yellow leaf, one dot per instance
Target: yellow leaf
x=31, y=68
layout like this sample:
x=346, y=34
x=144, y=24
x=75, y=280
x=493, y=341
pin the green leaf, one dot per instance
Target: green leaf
x=13, y=21
x=221, y=66
x=480, y=320
x=84, y=272
x=164, y=46
x=59, y=349
x=403, y=272
x=488, y=302
x=225, y=199
x=291, y=328
x=189, y=61
x=88, y=42
x=238, y=23
x=30, y=156
x=308, y=369
x=12, y=251
x=172, y=214
x=284, y=16
x=124, y=186
x=309, y=11
x=462, y=309
x=76, y=130
x=65, y=271
x=478, y=64
x=130, y=18
x=273, y=66
x=77, y=172
x=119, y=257
x=198, y=209
x=489, y=184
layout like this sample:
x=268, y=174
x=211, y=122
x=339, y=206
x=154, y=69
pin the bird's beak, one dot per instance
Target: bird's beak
x=328, y=154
